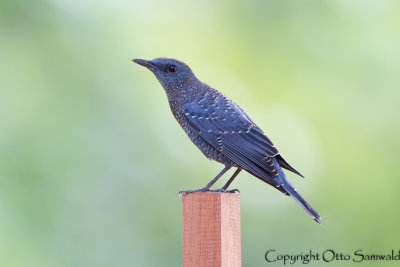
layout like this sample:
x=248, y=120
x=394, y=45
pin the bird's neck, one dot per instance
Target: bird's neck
x=183, y=93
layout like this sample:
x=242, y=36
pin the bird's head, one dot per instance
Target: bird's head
x=174, y=75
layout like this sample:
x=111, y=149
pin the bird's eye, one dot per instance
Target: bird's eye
x=171, y=68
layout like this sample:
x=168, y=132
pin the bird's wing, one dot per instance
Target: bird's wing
x=228, y=128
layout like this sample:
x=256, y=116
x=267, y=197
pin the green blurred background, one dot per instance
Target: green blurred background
x=91, y=160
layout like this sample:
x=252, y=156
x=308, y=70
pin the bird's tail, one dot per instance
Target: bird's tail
x=289, y=188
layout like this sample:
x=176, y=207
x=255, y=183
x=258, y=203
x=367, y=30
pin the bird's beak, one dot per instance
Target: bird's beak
x=144, y=63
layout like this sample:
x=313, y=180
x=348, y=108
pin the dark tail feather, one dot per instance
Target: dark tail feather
x=286, y=165
x=293, y=193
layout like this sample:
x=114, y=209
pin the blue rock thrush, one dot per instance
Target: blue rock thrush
x=221, y=129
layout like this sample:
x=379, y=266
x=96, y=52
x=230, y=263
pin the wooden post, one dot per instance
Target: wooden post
x=211, y=229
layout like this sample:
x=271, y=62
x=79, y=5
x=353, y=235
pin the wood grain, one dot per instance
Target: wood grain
x=211, y=229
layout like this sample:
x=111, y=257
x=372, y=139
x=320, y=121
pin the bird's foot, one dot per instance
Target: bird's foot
x=219, y=190
x=193, y=191
x=223, y=190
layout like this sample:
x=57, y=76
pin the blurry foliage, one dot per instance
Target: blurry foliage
x=91, y=161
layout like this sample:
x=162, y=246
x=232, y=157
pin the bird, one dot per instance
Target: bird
x=222, y=130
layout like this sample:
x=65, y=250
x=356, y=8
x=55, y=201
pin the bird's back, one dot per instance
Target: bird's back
x=225, y=133
x=215, y=104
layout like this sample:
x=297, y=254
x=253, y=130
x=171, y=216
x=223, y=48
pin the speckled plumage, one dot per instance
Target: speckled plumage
x=221, y=129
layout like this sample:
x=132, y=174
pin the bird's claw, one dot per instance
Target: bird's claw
x=192, y=191
x=222, y=190
x=219, y=190
x=234, y=191
x=227, y=191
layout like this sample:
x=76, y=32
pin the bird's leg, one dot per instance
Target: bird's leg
x=223, y=189
x=231, y=179
x=207, y=187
